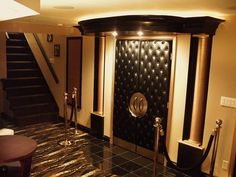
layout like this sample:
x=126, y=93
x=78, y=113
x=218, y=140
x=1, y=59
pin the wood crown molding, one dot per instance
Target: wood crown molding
x=150, y=23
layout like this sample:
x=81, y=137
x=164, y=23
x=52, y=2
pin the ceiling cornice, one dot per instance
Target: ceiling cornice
x=150, y=23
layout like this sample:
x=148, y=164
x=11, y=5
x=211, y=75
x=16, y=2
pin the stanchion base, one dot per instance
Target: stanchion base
x=65, y=143
x=76, y=132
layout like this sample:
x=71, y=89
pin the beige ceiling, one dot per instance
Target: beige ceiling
x=69, y=12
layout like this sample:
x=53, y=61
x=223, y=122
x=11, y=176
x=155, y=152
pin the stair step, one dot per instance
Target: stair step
x=23, y=72
x=16, y=35
x=35, y=109
x=19, y=56
x=18, y=49
x=30, y=99
x=18, y=42
x=30, y=106
x=36, y=118
x=26, y=90
x=21, y=64
x=24, y=81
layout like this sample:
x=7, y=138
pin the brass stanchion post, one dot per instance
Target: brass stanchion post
x=158, y=129
x=65, y=142
x=215, y=146
x=75, y=110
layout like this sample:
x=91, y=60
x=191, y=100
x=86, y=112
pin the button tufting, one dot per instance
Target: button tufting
x=141, y=65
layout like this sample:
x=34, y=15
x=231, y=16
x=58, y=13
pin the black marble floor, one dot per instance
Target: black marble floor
x=86, y=157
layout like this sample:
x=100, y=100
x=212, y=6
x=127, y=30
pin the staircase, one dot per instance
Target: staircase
x=27, y=93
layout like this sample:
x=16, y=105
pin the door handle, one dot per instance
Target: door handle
x=135, y=103
x=138, y=105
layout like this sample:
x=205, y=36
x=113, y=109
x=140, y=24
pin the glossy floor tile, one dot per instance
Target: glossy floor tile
x=86, y=157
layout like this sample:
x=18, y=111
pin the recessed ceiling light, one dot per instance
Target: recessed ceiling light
x=140, y=33
x=114, y=33
x=64, y=7
x=59, y=24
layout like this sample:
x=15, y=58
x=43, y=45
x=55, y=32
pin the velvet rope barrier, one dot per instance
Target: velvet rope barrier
x=198, y=164
x=159, y=138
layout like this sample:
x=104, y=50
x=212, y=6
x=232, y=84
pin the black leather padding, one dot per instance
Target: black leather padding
x=126, y=82
x=141, y=66
x=154, y=77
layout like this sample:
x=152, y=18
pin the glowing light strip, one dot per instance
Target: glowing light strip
x=191, y=13
x=10, y=9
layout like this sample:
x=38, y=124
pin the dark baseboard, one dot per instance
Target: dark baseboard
x=106, y=138
x=84, y=129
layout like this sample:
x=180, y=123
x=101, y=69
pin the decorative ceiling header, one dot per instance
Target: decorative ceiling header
x=150, y=23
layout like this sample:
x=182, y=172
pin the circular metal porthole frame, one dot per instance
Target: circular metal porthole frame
x=138, y=105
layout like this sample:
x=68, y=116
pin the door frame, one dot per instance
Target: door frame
x=140, y=150
x=80, y=67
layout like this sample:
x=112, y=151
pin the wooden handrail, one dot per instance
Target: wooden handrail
x=46, y=58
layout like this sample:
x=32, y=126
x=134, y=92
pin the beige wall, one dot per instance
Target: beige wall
x=87, y=81
x=222, y=83
x=176, y=114
x=109, y=85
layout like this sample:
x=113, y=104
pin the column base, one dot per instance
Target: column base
x=97, y=124
x=188, y=155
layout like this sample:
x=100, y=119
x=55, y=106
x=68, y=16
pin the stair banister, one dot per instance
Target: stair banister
x=46, y=58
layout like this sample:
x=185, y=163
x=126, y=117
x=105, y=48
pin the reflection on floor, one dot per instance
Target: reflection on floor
x=87, y=157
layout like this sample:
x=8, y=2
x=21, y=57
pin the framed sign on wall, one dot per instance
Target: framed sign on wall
x=57, y=50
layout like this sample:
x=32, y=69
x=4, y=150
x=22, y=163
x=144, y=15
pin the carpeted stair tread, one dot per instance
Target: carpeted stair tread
x=32, y=95
x=21, y=61
x=26, y=90
x=34, y=109
x=25, y=87
x=19, y=54
x=14, y=41
x=22, y=81
x=29, y=106
x=36, y=118
x=16, y=73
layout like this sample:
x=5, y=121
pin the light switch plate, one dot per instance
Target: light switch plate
x=225, y=165
x=228, y=102
x=52, y=60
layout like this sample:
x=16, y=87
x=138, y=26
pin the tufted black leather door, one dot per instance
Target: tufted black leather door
x=141, y=66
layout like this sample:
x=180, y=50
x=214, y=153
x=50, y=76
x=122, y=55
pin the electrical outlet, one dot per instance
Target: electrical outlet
x=225, y=164
x=228, y=102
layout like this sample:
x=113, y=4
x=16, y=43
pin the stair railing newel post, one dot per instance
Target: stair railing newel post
x=215, y=146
